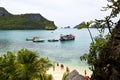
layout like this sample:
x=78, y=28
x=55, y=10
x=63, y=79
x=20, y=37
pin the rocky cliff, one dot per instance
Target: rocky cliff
x=9, y=21
x=3, y=12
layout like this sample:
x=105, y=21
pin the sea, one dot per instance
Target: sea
x=62, y=52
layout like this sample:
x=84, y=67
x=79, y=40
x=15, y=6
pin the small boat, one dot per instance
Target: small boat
x=40, y=40
x=53, y=40
x=27, y=39
x=67, y=37
x=37, y=39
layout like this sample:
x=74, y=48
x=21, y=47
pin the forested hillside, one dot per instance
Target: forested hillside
x=9, y=21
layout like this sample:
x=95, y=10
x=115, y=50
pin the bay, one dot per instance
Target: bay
x=66, y=52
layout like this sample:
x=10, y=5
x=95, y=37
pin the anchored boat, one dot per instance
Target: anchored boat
x=37, y=39
x=53, y=40
x=67, y=37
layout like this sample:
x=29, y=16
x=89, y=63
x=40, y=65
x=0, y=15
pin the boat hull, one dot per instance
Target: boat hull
x=29, y=39
x=38, y=40
x=67, y=37
x=53, y=40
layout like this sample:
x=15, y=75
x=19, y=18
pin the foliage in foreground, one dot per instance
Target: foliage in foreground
x=64, y=76
x=24, y=65
x=95, y=49
x=104, y=53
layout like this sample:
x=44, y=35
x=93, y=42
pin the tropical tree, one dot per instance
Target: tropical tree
x=104, y=53
x=24, y=65
x=8, y=66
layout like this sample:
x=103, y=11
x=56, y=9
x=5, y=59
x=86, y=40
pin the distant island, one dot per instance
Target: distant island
x=29, y=21
x=80, y=26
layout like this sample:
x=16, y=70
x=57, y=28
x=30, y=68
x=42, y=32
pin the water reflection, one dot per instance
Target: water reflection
x=4, y=45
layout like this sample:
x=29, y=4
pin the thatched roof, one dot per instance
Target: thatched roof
x=74, y=75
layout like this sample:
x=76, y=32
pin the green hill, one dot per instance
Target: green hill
x=79, y=25
x=9, y=21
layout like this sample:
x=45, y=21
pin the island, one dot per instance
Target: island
x=28, y=21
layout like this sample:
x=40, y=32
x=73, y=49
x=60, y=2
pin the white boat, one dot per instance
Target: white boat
x=37, y=39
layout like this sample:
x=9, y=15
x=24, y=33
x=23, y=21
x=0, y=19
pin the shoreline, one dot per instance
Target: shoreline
x=57, y=72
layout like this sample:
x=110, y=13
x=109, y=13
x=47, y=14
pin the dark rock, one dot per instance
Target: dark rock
x=3, y=12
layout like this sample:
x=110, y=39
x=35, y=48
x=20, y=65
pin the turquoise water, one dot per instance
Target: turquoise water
x=67, y=52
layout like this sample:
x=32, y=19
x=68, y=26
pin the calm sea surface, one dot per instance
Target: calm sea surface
x=67, y=52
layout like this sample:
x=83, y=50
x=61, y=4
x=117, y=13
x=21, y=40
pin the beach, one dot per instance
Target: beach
x=57, y=72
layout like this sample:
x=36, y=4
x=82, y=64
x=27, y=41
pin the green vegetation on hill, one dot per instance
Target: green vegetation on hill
x=79, y=25
x=24, y=21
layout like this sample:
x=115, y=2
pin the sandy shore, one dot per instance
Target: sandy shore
x=57, y=72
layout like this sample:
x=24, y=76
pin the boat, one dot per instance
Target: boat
x=41, y=40
x=27, y=39
x=53, y=40
x=67, y=37
x=37, y=39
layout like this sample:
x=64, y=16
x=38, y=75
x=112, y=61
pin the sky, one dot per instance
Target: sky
x=62, y=12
